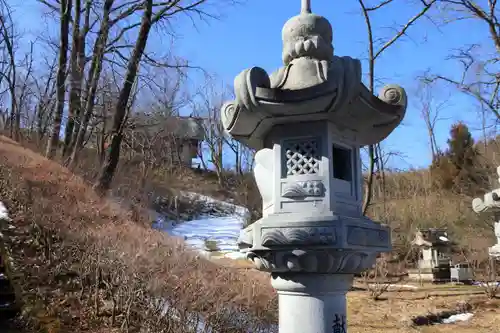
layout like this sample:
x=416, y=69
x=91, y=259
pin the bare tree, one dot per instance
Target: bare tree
x=46, y=90
x=166, y=135
x=92, y=81
x=77, y=79
x=25, y=86
x=379, y=280
x=163, y=10
x=247, y=158
x=373, y=54
x=209, y=102
x=105, y=100
x=430, y=110
x=76, y=82
x=479, y=77
x=7, y=35
x=112, y=15
x=150, y=142
x=113, y=155
x=237, y=149
x=65, y=13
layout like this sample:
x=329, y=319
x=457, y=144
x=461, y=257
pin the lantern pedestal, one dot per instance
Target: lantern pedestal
x=312, y=302
x=312, y=261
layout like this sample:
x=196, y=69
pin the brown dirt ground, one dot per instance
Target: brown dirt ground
x=393, y=315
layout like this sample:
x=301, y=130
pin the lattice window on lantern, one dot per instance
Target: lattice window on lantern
x=302, y=156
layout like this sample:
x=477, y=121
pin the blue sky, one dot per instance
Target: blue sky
x=250, y=35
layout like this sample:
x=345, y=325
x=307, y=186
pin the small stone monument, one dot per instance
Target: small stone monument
x=210, y=248
x=307, y=121
x=491, y=203
x=435, y=256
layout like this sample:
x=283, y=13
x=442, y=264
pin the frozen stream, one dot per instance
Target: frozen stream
x=223, y=227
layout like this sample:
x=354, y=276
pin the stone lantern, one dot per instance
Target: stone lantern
x=307, y=122
x=491, y=203
x=435, y=256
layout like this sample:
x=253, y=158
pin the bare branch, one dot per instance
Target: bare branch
x=380, y=5
x=375, y=151
x=402, y=32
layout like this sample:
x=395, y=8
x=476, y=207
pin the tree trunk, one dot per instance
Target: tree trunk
x=74, y=94
x=14, y=132
x=102, y=136
x=93, y=80
x=39, y=124
x=237, y=159
x=113, y=154
x=61, y=78
x=78, y=116
x=219, y=166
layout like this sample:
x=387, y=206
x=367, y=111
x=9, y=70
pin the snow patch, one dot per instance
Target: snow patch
x=4, y=213
x=235, y=255
x=457, y=318
x=224, y=230
x=487, y=284
x=399, y=287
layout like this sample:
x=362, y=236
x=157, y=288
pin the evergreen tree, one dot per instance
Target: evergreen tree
x=461, y=151
x=454, y=169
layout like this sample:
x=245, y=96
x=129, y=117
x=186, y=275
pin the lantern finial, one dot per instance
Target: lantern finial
x=306, y=7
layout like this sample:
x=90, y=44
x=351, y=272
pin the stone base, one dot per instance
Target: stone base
x=206, y=254
x=312, y=302
x=414, y=275
x=435, y=275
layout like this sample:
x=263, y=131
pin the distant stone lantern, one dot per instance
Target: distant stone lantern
x=491, y=203
x=307, y=121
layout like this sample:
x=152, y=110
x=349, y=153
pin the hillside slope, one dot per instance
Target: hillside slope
x=411, y=201
x=83, y=263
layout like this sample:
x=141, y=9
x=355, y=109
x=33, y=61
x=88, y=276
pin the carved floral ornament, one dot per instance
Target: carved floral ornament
x=315, y=249
x=313, y=261
x=311, y=188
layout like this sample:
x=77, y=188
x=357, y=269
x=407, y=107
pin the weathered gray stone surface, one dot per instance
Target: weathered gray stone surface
x=491, y=203
x=312, y=303
x=495, y=249
x=307, y=121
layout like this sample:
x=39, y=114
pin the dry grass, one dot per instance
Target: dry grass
x=411, y=202
x=78, y=232
x=394, y=314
